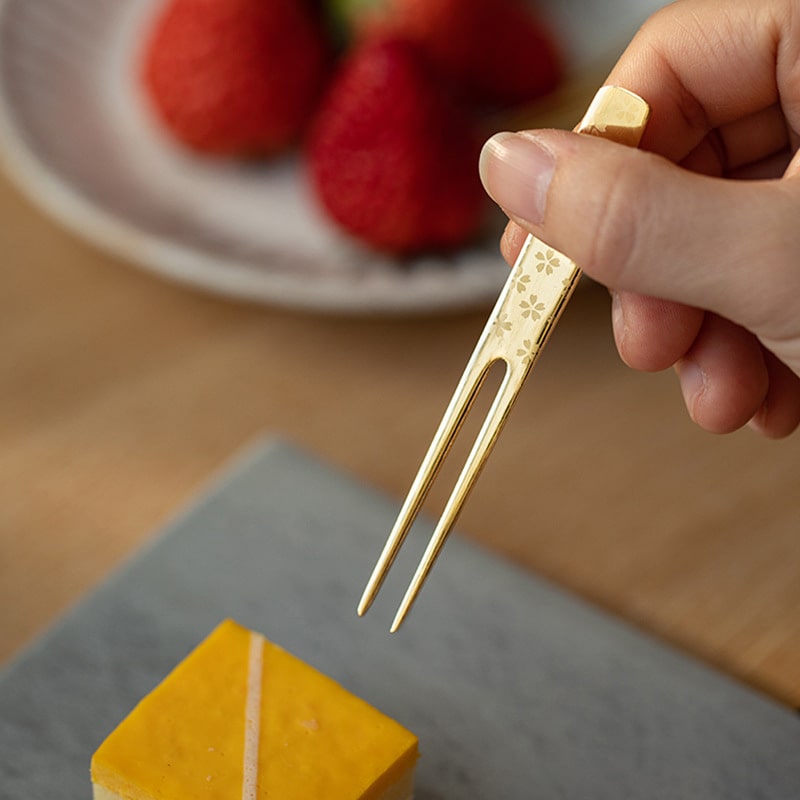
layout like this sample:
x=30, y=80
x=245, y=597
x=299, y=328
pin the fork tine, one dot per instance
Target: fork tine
x=457, y=411
x=477, y=457
x=498, y=342
x=529, y=306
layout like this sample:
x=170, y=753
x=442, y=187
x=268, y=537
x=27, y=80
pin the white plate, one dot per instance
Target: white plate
x=76, y=137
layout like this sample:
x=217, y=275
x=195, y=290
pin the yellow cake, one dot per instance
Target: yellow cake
x=242, y=718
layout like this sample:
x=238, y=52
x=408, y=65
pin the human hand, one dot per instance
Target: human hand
x=697, y=234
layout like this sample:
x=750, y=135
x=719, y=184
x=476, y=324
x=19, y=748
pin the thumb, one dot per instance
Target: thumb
x=636, y=222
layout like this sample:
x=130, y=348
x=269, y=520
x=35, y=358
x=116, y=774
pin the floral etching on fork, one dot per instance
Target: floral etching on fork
x=547, y=262
x=501, y=325
x=526, y=352
x=532, y=307
x=522, y=282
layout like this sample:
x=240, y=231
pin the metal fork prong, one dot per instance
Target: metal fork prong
x=457, y=411
x=487, y=436
x=528, y=307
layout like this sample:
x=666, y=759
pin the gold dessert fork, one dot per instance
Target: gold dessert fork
x=528, y=308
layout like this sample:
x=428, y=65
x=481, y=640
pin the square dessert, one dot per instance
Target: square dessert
x=240, y=717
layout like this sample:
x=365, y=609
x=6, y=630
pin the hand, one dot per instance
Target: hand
x=697, y=234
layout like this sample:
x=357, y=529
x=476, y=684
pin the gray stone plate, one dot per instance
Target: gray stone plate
x=516, y=689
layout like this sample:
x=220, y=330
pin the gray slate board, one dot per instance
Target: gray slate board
x=516, y=689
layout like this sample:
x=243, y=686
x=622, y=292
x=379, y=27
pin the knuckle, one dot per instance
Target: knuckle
x=664, y=37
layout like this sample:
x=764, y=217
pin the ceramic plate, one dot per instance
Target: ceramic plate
x=77, y=138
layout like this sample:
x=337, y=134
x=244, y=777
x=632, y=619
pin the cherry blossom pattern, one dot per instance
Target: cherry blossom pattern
x=547, y=261
x=501, y=325
x=522, y=282
x=525, y=353
x=532, y=308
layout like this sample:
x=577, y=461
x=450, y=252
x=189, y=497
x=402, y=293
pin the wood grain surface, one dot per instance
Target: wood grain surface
x=121, y=395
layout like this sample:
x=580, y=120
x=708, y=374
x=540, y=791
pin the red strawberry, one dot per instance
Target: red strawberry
x=235, y=77
x=391, y=155
x=498, y=50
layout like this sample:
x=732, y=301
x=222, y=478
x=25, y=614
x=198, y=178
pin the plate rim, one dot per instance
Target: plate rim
x=166, y=258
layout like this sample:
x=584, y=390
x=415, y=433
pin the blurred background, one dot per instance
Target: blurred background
x=162, y=306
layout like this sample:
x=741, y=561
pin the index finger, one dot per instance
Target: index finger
x=702, y=64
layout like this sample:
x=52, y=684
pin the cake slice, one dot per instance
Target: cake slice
x=242, y=718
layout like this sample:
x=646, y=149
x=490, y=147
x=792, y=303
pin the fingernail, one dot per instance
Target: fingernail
x=758, y=422
x=693, y=383
x=618, y=319
x=516, y=172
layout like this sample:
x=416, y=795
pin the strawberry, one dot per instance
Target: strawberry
x=391, y=154
x=499, y=51
x=235, y=77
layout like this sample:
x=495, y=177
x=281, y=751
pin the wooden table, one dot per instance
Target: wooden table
x=120, y=395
